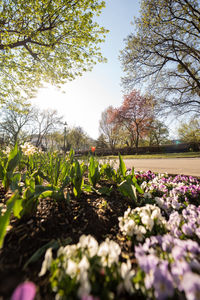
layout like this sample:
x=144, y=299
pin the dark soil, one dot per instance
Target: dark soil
x=91, y=214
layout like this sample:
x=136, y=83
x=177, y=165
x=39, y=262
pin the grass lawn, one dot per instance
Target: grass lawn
x=161, y=155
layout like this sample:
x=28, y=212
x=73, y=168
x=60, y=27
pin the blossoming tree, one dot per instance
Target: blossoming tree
x=134, y=115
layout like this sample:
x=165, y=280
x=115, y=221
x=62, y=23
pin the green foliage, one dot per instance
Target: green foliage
x=76, y=175
x=13, y=204
x=93, y=171
x=61, y=174
x=108, y=172
x=30, y=197
x=158, y=133
x=77, y=138
x=53, y=168
x=8, y=166
x=122, y=167
x=128, y=185
x=47, y=41
x=54, y=244
x=190, y=132
x=127, y=189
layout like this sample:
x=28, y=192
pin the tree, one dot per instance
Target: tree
x=54, y=140
x=190, y=132
x=45, y=122
x=101, y=142
x=135, y=115
x=15, y=118
x=164, y=53
x=78, y=139
x=109, y=128
x=158, y=133
x=46, y=41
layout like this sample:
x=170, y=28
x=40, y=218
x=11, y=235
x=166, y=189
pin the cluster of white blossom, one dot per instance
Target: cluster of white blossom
x=7, y=150
x=140, y=221
x=28, y=149
x=76, y=262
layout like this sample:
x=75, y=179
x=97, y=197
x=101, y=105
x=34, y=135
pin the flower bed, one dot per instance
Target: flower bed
x=107, y=234
x=165, y=236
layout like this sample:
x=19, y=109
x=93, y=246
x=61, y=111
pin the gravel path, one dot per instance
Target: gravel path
x=184, y=166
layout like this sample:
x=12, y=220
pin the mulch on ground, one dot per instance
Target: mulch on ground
x=91, y=214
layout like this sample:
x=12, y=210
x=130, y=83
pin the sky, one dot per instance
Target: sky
x=82, y=101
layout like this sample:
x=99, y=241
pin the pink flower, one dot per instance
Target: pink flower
x=24, y=291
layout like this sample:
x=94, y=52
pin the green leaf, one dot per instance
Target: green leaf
x=1, y=170
x=77, y=179
x=87, y=188
x=46, y=194
x=13, y=159
x=94, y=174
x=127, y=190
x=15, y=180
x=39, y=253
x=4, y=222
x=5, y=219
x=139, y=189
x=105, y=190
x=122, y=166
x=18, y=207
x=71, y=155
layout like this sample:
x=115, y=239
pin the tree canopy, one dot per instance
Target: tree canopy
x=109, y=128
x=163, y=55
x=190, y=132
x=135, y=116
x=14, y=121
x=46, y=41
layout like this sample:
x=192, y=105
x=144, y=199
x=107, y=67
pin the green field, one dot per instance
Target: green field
x=161, y=155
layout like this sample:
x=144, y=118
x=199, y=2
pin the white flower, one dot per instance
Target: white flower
x=28, y=149
x=129, y=227
x=156, y=213
x=47, y=262
x=159, y=201
x=140, y=231
x=85, y=286
x=72, y=268
x=109, y=252
x=7, y=150
x=127, y=274
x=127, y=212
x=147, y=195
x=68, y=251
x=143, y=185
x=84, y=264
x=89, y=243
x=147, y=221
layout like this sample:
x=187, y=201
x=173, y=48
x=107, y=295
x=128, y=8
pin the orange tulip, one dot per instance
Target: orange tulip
x=93, y=149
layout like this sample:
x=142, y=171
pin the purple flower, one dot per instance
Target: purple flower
x=191, y=286
x=192, y=247
x=167, y=242
x=139, y=251
x=24, y=291
x=177, y=232
x=198, y=232
x=178, y=269
x=163, y=284
x=147, y=262
x=178, y=252
x=188, y=229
